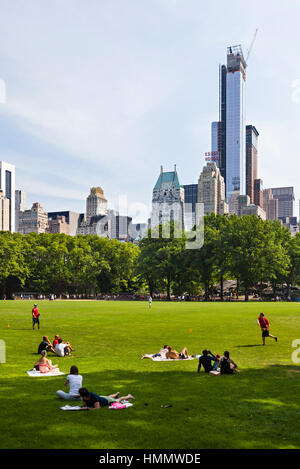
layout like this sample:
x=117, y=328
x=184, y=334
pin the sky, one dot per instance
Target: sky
x=103, y=92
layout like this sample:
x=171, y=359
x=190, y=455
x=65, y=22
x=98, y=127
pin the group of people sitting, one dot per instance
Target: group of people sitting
x=210, y=362
x=223, y=365
x=58, y=347
x=90, y=399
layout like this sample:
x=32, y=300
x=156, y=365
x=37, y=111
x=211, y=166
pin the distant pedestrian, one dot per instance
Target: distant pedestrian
x=35, y=316
x=150, y=301
x=264, y=324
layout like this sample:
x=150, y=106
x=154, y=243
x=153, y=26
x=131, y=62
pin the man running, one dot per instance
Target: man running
x=265, y=326
x=35, y=316
x=150, y=301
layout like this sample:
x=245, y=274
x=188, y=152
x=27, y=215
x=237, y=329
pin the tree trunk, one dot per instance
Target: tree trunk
x=222, y=288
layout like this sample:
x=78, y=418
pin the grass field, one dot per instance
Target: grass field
x=259, y=408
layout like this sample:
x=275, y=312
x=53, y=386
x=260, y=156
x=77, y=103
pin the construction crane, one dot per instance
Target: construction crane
x=251, y=46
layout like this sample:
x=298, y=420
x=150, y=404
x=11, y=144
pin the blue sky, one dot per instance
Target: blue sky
x=104, y=92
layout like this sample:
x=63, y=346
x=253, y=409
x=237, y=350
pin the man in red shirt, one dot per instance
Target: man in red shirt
x=35, y=316
x=265, y=325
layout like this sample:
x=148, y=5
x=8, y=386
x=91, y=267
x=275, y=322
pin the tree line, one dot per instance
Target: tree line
x=249, y=250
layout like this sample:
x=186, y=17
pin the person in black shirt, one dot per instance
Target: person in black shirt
x=206, y=360
x=45, y=345
x=227, y=365
x=93, y=401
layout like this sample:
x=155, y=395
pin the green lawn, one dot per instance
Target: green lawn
x=259, y=408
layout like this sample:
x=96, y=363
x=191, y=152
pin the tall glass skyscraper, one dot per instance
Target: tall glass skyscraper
x=235, y=122
x=228, y=134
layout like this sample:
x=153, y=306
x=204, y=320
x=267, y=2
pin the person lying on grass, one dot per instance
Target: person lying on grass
x=45, y=345
x=74, y=380
x=162, y=353
x=227, y=365
x=92, y=401
x=44, y=365
x=174, y=355
x=209, y=361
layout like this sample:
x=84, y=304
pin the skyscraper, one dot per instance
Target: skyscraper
x=190, y=201
x=270, y=205
x=96, y=203
x=251, y=160
x=211, y=190
x=20, y=206
x=258, y=192
x=286, y=198
x=7, y=185
x=235, y=122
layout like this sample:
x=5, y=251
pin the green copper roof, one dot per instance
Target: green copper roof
x=171, y=176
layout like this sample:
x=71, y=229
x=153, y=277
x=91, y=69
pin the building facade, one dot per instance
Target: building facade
x=190, y=203
x=211, y=190
x=58, y=225
x=286, y=199
x=7, y=185
x=235, y=122
x=34, y=220
x=253, y=209
x=270, y=205
x=258, y=192
x=95, y=220
x=20, y=206
x=71, y=218
x=96, y=203
x=167, y=199
x=251, y=160
x=4, y=212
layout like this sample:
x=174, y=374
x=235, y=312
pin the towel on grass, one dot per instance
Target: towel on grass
x=160, y=359
x=71, y=407
x=38, y=374
x=116, y=407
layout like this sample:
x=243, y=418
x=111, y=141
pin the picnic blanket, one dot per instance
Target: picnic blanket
x=76, y=407
x=38, y=374
x=160, y=359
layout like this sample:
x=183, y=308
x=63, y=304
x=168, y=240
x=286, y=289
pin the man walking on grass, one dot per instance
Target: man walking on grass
x=35, y=316
x=265, y=326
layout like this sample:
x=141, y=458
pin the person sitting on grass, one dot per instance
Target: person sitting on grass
x=74, y=381
x=92, y=401
x=162, y=353
x=55, y=341
x=44, y=365
x=209, y=361
x=227, y=365
x=63, y=349
x=174, y=355
x=45, y=345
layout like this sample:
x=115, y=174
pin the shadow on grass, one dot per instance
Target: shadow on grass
x=259, y=408
x=248, y=346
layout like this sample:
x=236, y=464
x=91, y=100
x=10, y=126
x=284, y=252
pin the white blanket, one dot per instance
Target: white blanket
x=38, y=374
x=71, y=407
x=160, y=359
x=76, y=407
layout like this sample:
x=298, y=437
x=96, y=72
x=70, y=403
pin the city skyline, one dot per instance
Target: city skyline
x=67, y=125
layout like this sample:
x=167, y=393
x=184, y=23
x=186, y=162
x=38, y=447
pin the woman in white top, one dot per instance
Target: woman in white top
x=74, y=380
